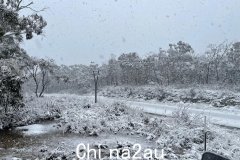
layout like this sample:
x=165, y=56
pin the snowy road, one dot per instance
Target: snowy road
x=220, y=116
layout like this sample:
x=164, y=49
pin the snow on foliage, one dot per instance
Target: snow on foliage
x=10, y=86
x=166, y=94
x=181, y=136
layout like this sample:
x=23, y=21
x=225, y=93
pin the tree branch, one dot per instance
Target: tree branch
x=28, y=7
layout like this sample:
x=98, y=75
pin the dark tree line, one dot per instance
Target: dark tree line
x=178, y=64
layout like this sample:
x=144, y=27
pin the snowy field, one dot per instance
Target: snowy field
x=151, y=80
x=75, y=119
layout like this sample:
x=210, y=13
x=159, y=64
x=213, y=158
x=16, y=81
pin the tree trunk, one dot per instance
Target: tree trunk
x=96, y=91
x=217, y=73
x=207, y=76
x=36, y=87
x=43, y=84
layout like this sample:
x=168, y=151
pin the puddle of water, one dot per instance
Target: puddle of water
x=22, y=141
x=25, y=136
x=37, y=129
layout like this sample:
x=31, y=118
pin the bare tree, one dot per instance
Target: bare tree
x=40, y=70
x=215, y=56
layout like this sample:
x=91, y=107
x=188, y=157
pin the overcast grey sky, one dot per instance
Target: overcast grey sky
x=81, y=31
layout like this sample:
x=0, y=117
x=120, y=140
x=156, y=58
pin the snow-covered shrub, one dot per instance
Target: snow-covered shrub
x=169, y=94
x=152, y=128
x=162, y=94
x=117, y=109
x=102, y=117
x=11, y=98
x=182, y=115
x=192, y=92
x=10, y=89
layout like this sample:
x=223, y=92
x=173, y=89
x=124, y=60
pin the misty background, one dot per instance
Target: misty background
x=81, y=31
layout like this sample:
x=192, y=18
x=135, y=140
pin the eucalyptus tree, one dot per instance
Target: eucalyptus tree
x=40, y=71
x=14, y=27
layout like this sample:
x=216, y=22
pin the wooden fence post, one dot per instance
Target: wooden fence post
x=205, y=133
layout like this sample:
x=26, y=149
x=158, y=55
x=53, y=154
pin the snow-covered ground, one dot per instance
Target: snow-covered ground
x=229, y=117
x=180, y=134
x=181, y=111
x=221, y=107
